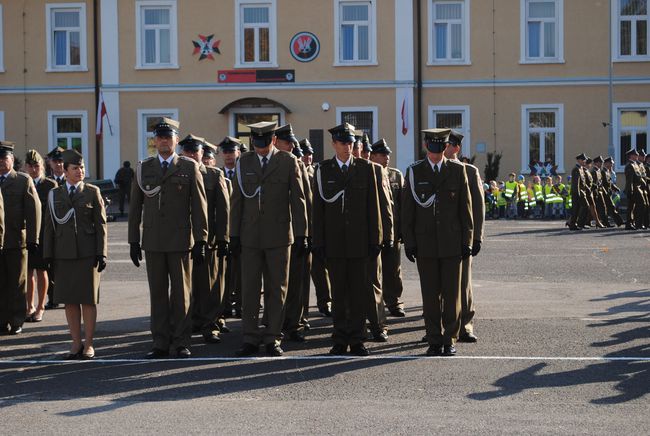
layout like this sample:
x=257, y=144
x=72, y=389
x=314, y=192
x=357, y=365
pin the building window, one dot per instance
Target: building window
x=452, y=117
x=448, y=32
x=632, y=29
x=147, y=120
x=542, y=135
x=363, y=118
x=156, y=36
x=69, y=130
x=2, y=43
x=631, y=129
x=355, y=32
x=66, y=36
x=542, y=31
x=256, y=33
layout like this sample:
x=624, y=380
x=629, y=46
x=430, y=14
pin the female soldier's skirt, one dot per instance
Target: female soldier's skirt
x=77, y=281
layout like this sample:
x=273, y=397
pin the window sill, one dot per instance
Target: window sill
x=257, y=65
x=158, y=67
x=448, y=63
x=632, y=59
x=67, y=70
x=540, y=61
x=356, y=64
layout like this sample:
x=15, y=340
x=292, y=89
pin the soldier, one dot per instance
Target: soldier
x=22, y=212
x=366, y=147
x=207, y=290
x=632, y=189
x=75, y=242
x=55, y=167
x=610, y=189
x=293, y=325
x=123, y=180
x=347, y=232
x=578, y=193
x=598, y=191
x=169, y=199
x=268, y=215
x=642, y=217
x=467, y=309
x=589, y=213
x=317, y=268
x=437, y=229
x=231, y=149
x=391, y=257
x=36, y=266
x=2, y=221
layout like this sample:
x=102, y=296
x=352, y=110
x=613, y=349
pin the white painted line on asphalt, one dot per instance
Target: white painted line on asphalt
x=378, y=357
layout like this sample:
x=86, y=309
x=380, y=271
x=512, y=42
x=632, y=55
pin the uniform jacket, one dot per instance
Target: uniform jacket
x=84, y=235
x=385, y=202
x=43, y=188
x=442, y=229
x=478, y=203
x=2, y=220
x=578, y=182
x=22, y=210
x=396, y=180
x=306, y=186
x=348, y=226
x=310, y=210
x=175, y=218
x=278, y=213
x=218, y=203
x=632, y=178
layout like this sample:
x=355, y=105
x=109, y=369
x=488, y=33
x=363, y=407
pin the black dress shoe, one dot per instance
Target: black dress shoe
x=15, y=330
x=379, y=336
x=75, y=356
x=434, y=350
x=630, y=227
x=274, y=350
x=297, y=336
x=247, y=350
x=51, y=305
x=397, y=312
x=157, y=353
x=467, y=337
x=221, y=325
x=183, y=353
x=306, y=326
x=339, y=350
x=211, y=337
x=359, y=349
x=424, y=339
x=325, y=311
x=449, y=350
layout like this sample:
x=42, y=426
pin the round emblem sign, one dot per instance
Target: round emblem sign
x=304, y=47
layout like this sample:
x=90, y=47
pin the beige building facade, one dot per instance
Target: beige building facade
x=531, y=79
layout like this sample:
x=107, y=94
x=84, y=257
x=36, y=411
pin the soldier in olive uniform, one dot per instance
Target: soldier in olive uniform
x=169, y=200
x=605, y=191
x=610, y=190
x=347, y=232
x=437, y=229
x=578, y=192
x=633, y=190
x=22, y=213
x=642, y=217
x=317, y=268
x=207, y=290
x=391, y=257
x=467, y=309
x=75, y=242
x=268, y=215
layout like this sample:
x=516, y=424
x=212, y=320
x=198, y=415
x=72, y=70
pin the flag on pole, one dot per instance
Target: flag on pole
x=101, y=113
x=405, y=118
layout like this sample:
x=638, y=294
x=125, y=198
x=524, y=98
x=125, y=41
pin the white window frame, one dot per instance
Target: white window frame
x=616, y=110
x=465, y=22
x=51, y=127
x=83, y=31
x=2, y=126
x=559, y=136
x=375, y=116
x=559, y=35
x=142, y=126
x=466, y=121
x=239, y=34
x=2, y=43
x=372, y=34
x=140, y=5
x=616, y=36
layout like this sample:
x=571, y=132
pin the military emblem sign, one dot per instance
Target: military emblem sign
x=304, y=47
x=206, y=46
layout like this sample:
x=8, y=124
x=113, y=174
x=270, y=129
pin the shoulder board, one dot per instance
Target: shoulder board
x=417, y=162
x=22, y=174
x=147, y=159
x=189, y=159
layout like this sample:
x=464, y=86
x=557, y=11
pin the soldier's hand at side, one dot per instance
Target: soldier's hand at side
x=222, y=249
x=299, y=246
x=198, y=252
x=309, y=244
x=100, y=263
x=476, y=248
x=135, y=253
x=388, y=244
x=319, y=252
x=411, y=253
x=235, y=245
x=466, y=252
x=374, y=250
x=32, y=248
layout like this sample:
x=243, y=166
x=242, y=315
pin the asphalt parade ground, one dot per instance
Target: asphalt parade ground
x=563, y=320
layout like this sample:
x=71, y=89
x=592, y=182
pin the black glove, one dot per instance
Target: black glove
x=319, y=252
x=388, y=244
x=309, y=244
x=49, y=264
x=222, y=249
x=32, y=248
x=374, y=250
x=235, y=245
x=299, y=246
x=135, y=253
x=476, y=248
x=100, y=263
x=411, y=253
x=466, y=252
x=198, y=252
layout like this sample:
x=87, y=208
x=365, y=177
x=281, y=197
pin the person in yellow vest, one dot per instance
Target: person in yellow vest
x=531, y=203
x=561, y=192
x=522, y=197
x=502, y=203
x=539, y=197
x=511, y=194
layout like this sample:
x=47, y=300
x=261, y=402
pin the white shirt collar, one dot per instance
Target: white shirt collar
x=439, y=164
x=168, y=160
x=338, y=161
x=267, y=156
x=76, y=186
x=36, y=180
x=6, y=175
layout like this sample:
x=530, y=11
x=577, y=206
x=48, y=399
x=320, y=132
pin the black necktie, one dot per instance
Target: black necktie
x=435, y=169
x=2, y=179
x=165, y=164
x=230, y=174
x=264, y=162
x=72, y=189
x=344, y=169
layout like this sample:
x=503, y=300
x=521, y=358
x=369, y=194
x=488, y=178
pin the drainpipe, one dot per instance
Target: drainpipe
x=98, y=154
x=417, y=134
x=610, y=146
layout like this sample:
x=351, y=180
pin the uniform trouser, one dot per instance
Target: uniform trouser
x=207, y=293
x=391, y=276
x=467, y=310
x=349, y=279
x=273, y=265
x=575, y=210
x=440, y=286
x=232, y=283
x=322, y=283
x=170, y=289
x=306, y=281
x=611, y=210
x=641, y=211
x=293, y=306
x=374, y=300
x=601, y=208
x=124, y=194
x=13, y=287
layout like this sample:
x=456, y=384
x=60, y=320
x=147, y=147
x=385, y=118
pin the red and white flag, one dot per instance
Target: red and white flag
x=101, y=113
x=405, y=118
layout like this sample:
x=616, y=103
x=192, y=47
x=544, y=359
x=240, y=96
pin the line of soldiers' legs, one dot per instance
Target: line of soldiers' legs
x=514, y=210
x=599, y=208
